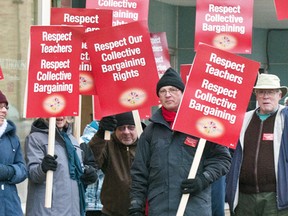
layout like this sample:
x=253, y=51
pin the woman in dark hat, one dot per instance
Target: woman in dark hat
x=12, y=165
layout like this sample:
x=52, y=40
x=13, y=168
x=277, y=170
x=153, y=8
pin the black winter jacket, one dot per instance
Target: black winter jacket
x=163, y=161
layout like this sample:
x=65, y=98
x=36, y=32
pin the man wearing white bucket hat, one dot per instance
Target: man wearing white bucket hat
x=257, y=182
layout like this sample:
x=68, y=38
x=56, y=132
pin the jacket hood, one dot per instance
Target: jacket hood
x=39, y=125
x=11, y=128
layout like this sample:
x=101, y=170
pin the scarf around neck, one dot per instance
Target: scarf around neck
x=3, y=127
x=75, y=169
x=169, y=116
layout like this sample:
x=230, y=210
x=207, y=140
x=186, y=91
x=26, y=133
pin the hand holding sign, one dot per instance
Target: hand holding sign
x=106, y=125
x=212, y=96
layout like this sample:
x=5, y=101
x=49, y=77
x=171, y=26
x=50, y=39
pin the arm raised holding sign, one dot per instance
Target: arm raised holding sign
x=114, y=157
x=106, y=125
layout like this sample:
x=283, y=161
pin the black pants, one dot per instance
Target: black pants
x=93, y=213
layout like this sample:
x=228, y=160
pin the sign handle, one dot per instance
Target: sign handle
x=50, y=151
x=192, y=174
x=107, y=135
x=137, y=122
x=77, y=122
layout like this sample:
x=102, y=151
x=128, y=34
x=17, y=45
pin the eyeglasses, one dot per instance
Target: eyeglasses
x=270, y=92
x=172, y=91
x=129, y=127
x=4, y=106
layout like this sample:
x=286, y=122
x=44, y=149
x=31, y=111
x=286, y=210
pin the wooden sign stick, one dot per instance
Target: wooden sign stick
x=192, y=174
x=50, y=151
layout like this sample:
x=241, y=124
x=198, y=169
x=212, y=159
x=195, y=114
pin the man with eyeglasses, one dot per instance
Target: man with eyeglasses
x=114, y=157
x=163, y=159
x=257, y=183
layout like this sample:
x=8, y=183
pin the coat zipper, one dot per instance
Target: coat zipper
x=257, y=156
x=128, y=155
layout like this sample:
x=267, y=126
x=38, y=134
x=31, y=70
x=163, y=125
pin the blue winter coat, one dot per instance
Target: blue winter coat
x=163, y=161
x=11, y=154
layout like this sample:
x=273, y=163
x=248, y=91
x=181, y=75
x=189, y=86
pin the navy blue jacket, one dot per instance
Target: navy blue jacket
x=11, y=154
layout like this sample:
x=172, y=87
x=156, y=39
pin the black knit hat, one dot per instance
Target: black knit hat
x=125, y=119
x=170, y=78
x=3, y=98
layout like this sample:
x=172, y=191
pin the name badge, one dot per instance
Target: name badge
x=268, y=136
x=191, y=142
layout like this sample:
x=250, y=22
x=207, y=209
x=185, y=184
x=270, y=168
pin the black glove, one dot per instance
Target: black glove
x=49, y=163
x=89, y=176
x=108, y=123
x=136, y=212
x=6, y=172
x=194, y=186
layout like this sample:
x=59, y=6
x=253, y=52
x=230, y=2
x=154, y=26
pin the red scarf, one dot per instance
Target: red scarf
x=169, y=116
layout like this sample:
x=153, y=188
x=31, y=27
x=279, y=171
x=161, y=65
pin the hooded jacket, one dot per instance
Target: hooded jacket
x=65, y=192
x=11, y=154
x=92, y=195
x=163, y=161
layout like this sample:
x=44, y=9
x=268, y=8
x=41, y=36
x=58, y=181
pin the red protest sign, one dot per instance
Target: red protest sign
x=225, y=24
x=144, y=113
x=123, y=62
x=92, y=20
x=184, y=71
x=97, y=113
x=123, y=11
x=281, y=9
x=1, y=74
x=216, y=96
x=53, y=76
x=161, y=52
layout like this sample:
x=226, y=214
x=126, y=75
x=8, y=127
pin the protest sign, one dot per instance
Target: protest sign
x=144, y=113
x=161, y=52
x=281, y=7
x=1, y=74
x=225, y=24
x=216, y=96
x=91, y=20
x=123, y=11
x=53, y=75
x=124, y=64
x=184, y=71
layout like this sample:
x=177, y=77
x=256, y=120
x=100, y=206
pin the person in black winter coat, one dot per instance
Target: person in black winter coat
x=164, y=157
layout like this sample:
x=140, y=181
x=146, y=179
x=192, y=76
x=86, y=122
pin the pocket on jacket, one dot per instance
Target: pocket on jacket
x=156, y=194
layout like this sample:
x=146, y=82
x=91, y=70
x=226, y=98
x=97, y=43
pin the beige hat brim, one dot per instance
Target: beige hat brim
x=282, y=88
